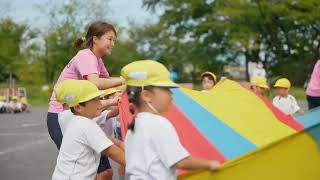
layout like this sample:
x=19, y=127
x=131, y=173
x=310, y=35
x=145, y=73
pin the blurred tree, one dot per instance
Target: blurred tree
x=68, y=22
x=12, y=36
x=284, y=33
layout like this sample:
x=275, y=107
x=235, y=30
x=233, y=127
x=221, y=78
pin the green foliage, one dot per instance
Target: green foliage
x=11, y=38
x=287, y=32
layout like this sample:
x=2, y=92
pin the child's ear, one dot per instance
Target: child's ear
x=78, y=108
x=145, y=96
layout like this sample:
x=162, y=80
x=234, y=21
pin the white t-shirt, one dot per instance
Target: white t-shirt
x=152, y=149
x=259, y=72
x=104, y=123
x=79, y=155
x=15, y=105
x=287, y=105
x=65, y=117
x=2, y=104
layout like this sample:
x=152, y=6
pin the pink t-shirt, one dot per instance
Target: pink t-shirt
x=314, y=84
x=79, y=67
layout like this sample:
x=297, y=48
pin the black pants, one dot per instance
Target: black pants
x=313, y=102
x=56, y=135
x=54, y=128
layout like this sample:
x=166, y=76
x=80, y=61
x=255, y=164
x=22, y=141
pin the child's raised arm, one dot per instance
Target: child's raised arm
x=192, y=163
x=117, y=142
x=116, y=154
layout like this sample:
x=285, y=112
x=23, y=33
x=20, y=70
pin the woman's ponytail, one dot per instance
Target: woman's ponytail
x=79, y=43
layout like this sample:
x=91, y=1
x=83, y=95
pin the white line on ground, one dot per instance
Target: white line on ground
x=24, y=146
x=31, y=124
x=24, y=134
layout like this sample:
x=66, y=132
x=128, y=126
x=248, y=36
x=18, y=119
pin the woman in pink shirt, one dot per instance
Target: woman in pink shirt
x=313, y=90
x=86, y=64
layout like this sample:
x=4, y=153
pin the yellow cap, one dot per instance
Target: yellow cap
x=259, y=81
x=24, y=100
x=210, y=74
x=147, y=73
x=73, y=92
x=110, y=91
x=283, y=83
x=14, y=98
x=2, y=98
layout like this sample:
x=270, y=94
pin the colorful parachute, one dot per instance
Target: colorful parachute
x=245, y=132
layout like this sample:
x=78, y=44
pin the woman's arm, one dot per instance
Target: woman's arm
x=105, y=83
x=107, y=103
x=192, y=163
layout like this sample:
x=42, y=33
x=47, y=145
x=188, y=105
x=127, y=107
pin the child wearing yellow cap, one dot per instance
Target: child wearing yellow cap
x=83, y=140
x=107, y=123
x=14, y=105
x=258, y=85
x=115, y=118
x=208, y=80
x=152, y=146
x=3, y=104
x=25, y=106
x=65, y=119
x=284, y=101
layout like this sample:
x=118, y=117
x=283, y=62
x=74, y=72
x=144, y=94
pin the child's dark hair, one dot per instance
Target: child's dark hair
x=74, y=111
x=209, y=77
x=134, y=99
x=97, y=28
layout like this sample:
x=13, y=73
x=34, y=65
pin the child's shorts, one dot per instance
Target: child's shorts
x=104, y=164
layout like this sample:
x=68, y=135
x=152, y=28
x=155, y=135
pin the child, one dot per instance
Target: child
x=259, y=70
x=65, y=118
x=284, y=101
x=83, y=140
x=152, y=146
x=209, y=80
x=107, y=122
x=25, y=106
x=3, y=104
x=112, y=125
x=14, y=105
x=259, y=85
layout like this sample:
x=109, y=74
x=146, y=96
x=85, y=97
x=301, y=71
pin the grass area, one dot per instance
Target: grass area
x=37, y=97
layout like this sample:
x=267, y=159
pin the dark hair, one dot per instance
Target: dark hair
x=97, y=28
x=74, y=111
x=209, y=77
x=134, y=100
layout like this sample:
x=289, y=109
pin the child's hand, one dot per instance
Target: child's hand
x=223, y=78
x=114, y=100
x=214, y=165
x=122, y=170
x=301, y=111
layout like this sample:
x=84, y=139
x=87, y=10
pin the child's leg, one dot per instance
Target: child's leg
x=104, y=170
x=105, y=175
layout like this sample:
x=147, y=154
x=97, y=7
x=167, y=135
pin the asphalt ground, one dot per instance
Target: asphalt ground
x=26, y=150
